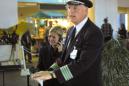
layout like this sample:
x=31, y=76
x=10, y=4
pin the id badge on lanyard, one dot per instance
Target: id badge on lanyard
x=73, y=54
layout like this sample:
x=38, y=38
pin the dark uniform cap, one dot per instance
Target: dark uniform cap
x=87, y=3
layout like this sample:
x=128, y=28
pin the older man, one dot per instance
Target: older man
x=81, y=60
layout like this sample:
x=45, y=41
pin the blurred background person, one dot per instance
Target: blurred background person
x=50, y=52
x=14, y=37
x=107, y=30
x=122, y=31
x=4, y=37
x=14, y=40
x=26, y=42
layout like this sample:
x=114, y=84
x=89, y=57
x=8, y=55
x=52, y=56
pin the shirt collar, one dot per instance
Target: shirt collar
x=80, y=25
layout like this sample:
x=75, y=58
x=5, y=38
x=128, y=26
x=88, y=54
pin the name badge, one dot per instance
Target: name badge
x=73, y=54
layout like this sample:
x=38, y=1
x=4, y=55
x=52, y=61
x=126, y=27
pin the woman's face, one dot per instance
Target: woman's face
x=53, y=39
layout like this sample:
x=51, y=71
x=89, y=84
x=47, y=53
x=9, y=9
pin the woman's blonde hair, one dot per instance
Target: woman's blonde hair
x=58, y=30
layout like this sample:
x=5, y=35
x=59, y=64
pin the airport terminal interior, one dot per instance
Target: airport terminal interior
x=35, y=17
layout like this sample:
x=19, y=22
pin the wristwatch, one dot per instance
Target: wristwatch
x=52, y=74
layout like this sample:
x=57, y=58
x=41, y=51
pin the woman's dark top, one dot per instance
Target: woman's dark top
x=47, y=56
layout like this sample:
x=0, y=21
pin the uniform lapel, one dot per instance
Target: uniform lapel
x=69, y=37
x=71, y=46
x=67, y=43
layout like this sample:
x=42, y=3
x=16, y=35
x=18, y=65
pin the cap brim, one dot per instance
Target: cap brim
x=88, y=4
x=75, y=3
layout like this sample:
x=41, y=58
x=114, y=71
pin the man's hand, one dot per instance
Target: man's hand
x=42, y=75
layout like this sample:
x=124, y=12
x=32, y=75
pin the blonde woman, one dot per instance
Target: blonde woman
x=50, y=51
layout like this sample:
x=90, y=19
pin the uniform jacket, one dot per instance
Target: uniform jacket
x=85, y=70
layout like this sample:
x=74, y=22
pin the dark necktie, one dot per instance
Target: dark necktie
x=69, y=42
x=72, y=35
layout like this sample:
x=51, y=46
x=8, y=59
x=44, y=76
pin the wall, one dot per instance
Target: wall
x=91, y=13
x=8, y=13
x=123, y=3
x=45, y=1
x=124, y=10
x=24, y=12
x=106, y=8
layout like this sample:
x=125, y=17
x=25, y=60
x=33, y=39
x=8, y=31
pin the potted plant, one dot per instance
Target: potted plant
x=115, y=63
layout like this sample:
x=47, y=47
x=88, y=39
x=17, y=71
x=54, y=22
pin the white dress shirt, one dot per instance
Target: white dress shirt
x=80, y=25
